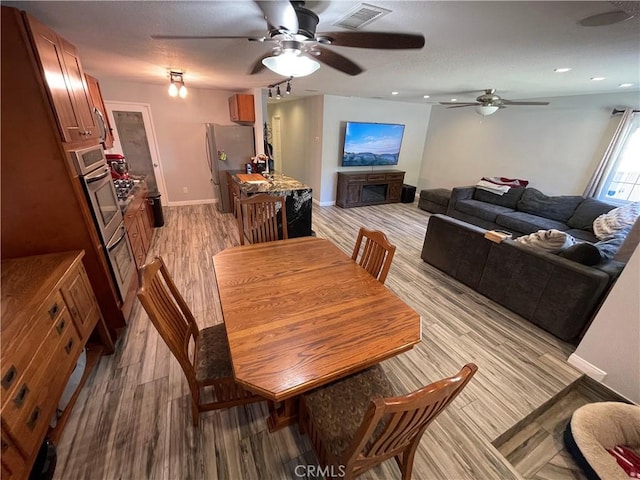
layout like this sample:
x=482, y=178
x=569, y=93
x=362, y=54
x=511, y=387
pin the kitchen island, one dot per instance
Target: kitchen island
x=298, y=198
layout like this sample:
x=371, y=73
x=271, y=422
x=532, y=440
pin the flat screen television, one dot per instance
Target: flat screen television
x=367, y=144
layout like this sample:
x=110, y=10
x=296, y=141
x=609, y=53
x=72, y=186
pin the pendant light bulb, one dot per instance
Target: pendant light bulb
x=173, y=89
x=270, y=94
x=288, y=88
x=278, y=94
x=183, y=91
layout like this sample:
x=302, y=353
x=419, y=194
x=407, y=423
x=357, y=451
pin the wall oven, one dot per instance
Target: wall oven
x=95, y=176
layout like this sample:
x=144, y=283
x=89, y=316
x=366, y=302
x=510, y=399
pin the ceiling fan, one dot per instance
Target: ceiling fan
x=297, y=46
x=490, y=102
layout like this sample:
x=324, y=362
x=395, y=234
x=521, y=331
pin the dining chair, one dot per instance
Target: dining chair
x=202, y=354
x=376, y=255
x=261, y=218
x=357, y=423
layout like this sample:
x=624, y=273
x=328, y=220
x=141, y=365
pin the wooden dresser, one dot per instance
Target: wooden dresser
x=48, y=313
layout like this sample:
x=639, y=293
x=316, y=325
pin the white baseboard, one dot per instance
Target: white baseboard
x=192, y=202
x=324, y=204
x=585, y=367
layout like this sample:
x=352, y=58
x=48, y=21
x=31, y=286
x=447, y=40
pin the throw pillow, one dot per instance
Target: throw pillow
x=584, y=253
x=549, y=240
x=616, y=222
x=556, y=208
x=588, y=210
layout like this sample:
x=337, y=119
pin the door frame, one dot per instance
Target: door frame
x=145, y=110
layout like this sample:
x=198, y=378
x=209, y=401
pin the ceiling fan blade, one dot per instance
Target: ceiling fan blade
x=509, y=102
x=337, y=61
x=279, y=15
x=209, y=37
x=379, y=40
x=459, y=104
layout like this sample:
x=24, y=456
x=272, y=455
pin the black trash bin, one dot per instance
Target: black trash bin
x=156, y=206
x=408, y=193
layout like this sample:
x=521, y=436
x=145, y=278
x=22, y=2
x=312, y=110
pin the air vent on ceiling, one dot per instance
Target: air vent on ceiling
x=360, y=16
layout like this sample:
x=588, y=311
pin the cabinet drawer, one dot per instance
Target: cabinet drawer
x=374, y=177
x=17, y=356
x=357, y=178
x=28, y=412
x=133, y=229
x=395, y=176
x=13, y=465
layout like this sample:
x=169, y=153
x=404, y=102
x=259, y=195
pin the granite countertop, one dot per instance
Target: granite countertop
x=278, y=182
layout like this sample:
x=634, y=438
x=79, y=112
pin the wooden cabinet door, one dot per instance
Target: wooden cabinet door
x=80, y=91
x=353, y=193
x=81, y=302
x=67, y=87
x=395, y=191
x=52, y=59
x=98, y=103
x=241, y=108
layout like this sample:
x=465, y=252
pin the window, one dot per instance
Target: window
x=622, y=182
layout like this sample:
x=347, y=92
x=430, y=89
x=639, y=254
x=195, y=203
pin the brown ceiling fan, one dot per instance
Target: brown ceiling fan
x=490, y=102
x=292, y=28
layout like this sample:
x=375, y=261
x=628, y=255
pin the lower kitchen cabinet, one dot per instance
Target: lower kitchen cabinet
x=48, y=313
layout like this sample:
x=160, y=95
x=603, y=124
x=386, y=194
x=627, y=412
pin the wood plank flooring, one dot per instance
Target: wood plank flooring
x=133, y=419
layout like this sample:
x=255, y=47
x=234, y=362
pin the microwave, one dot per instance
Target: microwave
x=86, y=160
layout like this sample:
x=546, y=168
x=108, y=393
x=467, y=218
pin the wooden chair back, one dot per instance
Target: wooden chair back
x=261, y=218
x=377, y=254
x=171, y=316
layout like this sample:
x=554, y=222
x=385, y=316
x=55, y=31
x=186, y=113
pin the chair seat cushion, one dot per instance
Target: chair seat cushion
x=213, y=360
x=337, y=409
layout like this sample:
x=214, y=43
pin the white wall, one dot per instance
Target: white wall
x=180, y=131
x=339, y=110
x=301, y=134
x=555, y=147
x=612, y=343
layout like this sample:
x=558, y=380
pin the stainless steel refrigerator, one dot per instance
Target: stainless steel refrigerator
x=229, y=147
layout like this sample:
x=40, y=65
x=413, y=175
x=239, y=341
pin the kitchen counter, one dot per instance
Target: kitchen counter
x=298, y=199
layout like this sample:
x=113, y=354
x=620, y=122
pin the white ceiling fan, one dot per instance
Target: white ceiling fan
x=489, y=102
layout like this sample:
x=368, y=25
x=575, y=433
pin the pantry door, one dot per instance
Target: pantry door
x=134, y=137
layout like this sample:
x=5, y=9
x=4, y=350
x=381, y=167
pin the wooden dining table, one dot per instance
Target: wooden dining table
x=300, y=313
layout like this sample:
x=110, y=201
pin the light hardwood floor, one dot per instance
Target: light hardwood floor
x=133, y=420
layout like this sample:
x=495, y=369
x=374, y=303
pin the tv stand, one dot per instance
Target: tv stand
x=357, y=189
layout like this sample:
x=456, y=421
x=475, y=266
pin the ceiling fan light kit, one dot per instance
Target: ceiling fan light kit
x=290, y=62
x=485, y=110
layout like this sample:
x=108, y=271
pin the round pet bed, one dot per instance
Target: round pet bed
x=596, y=427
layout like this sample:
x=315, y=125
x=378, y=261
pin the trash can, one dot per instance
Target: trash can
x=408, y=193
x=156, y=206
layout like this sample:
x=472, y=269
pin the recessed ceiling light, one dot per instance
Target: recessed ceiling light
x=454, y=99
x=597, y=79
x=561, y=70
x=625, y=85
x=426, y=96
x=394, y=93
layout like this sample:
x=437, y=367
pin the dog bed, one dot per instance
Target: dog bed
x=596, y=427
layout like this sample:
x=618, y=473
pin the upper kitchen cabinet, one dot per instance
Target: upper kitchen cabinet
x=106, y=133
x=241, y=108
x=66, y=83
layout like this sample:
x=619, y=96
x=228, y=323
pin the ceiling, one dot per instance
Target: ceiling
x=510, y=46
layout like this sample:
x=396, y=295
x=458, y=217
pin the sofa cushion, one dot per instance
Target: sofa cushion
x=486, y=211
x=556, y=208
x=588, y=210
x=527, y=223
x=509, y=199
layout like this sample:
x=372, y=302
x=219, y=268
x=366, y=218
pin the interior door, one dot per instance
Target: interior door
x=134, y=137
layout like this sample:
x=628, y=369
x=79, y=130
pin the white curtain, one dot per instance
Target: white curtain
x=610, y=156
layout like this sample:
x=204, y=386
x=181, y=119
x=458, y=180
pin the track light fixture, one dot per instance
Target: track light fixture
x=277, y=87
x=176, y=87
